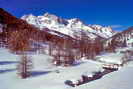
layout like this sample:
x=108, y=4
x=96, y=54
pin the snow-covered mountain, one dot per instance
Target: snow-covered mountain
x=72, y=27
x=122, y=39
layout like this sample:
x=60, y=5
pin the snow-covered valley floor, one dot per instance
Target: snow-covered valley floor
x=45, y=75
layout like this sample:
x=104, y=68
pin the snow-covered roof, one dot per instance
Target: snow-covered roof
x=89, y=74
x=92, y=72
x=112, y=58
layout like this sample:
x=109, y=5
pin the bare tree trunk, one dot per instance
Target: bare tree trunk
x=24, y=66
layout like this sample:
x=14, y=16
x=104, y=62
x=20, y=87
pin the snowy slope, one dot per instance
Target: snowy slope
x=45, y=76
x=5, y=55
x=69, y=27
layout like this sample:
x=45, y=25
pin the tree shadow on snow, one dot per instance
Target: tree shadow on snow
x=77, y=63
x=7, y=62
x=6, y=70
x=39, y=73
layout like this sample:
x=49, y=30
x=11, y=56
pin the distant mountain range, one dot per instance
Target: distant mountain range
x=72, y=27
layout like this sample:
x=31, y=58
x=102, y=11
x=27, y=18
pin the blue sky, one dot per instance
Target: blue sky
x=116, y=13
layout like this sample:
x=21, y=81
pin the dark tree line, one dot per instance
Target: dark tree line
x=68, y=51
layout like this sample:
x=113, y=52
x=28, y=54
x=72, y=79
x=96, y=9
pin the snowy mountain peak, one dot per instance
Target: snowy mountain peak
x=75, y=20
x=75, y=23
x=99, y=27
x=30, y=16
x=50, y=16
x=107, y=29
x=69, y=27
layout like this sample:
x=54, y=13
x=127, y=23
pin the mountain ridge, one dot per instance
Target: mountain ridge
x=67, y=26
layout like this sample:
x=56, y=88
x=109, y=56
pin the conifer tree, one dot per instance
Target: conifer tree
x=24, y=66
